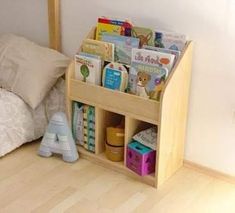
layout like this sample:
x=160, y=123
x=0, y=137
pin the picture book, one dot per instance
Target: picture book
x=153, y=58
x=123, y=46
x=120, y=22
x=115, y=77
x=89, y=127
x=89, y=55
x=145, y=35
x=169, y=40
x=88, y=68
x=77, y=125
x=146, y=80
x=112, y=26
x=176, y=53
x=100, y=48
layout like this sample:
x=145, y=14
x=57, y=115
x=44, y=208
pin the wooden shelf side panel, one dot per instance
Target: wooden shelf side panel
x=132, y=127
x=174, y=108
x=99, y=130
x=104, y=119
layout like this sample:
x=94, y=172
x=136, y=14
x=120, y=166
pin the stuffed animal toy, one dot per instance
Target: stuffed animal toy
x=58, y=139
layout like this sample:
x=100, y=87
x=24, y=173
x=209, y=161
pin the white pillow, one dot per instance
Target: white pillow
x=28, y=69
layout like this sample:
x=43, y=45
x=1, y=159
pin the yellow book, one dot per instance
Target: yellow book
x=108, y=28
x=101, y=48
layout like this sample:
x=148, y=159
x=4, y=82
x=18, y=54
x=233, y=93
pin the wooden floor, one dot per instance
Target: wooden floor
x=29, y=183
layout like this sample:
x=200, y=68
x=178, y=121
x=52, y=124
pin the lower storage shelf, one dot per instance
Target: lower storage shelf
x=101, y=160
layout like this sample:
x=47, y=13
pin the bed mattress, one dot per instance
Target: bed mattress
x=20, y=124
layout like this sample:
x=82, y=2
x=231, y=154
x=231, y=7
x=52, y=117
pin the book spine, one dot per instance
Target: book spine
x=91, y=129
x=85, y=130
x=125, y=24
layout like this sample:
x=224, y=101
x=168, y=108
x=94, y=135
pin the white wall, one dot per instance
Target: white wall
x=210, y=24
x=25, y=17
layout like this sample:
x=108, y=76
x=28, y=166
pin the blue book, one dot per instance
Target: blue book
x=123, y=46
x=115, y=76
x=112, y=79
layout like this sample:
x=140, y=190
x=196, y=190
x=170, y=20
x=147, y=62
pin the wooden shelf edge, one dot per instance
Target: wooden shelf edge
x=101, y=160
x=115, y=101
x=111, y=109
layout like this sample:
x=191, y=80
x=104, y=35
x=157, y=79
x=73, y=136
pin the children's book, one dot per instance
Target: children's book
x=146, y=80
x=169, y=40
x=153, y=58
x=88, y=68
x=90, y=55
x=120, y=22
x=89, y=127
x=145, y=35
x=113, y=26
x=115, y=76
x=85, y=126
x=176, y=53
x=101, y=48
x=77, y=126
x=123, y=46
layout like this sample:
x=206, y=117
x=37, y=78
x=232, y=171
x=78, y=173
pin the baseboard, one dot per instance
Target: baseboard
x=210, y=172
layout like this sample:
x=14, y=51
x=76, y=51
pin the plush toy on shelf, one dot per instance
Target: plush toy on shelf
x=58, y=139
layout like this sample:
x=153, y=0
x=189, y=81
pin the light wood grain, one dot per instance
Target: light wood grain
x=132, y=127
x=99, y=130
x=54, y=24
x=115, y=101
x=169, y=114
x=104, y=119
x=209, y=171
x=174, y=108
x=101, y=159
x=51, y=185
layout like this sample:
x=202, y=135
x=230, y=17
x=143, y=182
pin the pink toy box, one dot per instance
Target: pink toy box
x=140, y=158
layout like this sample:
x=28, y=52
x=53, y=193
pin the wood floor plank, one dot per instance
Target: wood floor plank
x=29, y=183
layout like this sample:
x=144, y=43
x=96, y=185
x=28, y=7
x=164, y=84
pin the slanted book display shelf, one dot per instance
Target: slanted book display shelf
x=169, y=116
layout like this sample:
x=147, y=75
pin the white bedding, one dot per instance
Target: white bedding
x=20, y=124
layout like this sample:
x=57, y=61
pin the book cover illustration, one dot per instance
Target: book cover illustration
x=88, y=69
x=89, y=128
x=146, y=81
x=112, y=26
x=153, y=58
x=123, y=46
x=176, y=53
x=145, y=35
x=115, y=76
x=169, y=40
x=100, y=48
